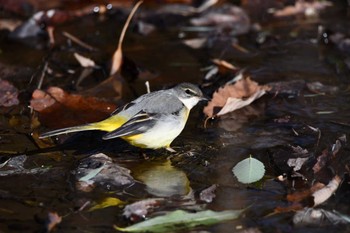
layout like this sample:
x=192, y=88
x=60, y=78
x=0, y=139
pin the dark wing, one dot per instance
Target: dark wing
x=122, y=108
x=139, y=123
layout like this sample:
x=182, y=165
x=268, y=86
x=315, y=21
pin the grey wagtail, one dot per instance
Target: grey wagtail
x=151, y=121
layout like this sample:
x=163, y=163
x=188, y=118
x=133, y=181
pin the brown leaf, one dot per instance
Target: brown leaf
x=285, y=209
x=301, y=195
x=8, y=94
x=53, y=220
x=70, y=109
x=234, y=96
x=321, y=161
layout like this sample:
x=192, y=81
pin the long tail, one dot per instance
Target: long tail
x=70, y=130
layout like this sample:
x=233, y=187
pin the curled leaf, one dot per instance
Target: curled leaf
x=234, y=96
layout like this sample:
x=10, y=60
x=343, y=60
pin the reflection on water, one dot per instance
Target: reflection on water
x=162, y=179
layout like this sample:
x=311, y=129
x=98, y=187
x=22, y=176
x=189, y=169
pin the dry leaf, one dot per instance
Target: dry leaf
x=53, y=220
x=326, y=192
x=296, y=163
x=234, y=96
x=70, y=109
x=84, y=61
x=140, y=209
x=208, y=194
x=319, y=217
x=8, y=94
x=226, y=18
x=321, y=161
x=301, y=195
x=195, y=43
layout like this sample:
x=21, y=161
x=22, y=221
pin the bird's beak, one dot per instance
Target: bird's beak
x=204, y=98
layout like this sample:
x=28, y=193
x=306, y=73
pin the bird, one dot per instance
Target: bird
x=152, y=121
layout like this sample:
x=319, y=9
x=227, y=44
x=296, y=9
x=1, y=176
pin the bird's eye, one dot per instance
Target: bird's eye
x=188, y=92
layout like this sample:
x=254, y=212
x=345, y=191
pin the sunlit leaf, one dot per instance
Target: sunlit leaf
x=180, y=219
x=249, y=170
x=107, y=202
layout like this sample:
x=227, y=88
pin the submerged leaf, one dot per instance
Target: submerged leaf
x=180, y=219
x=319, y=217
x=107, y=202
x=249, y=170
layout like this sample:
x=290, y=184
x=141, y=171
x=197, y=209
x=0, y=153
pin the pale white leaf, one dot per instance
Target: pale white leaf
x=233, y=104
x=249, y=170
x=84, y=61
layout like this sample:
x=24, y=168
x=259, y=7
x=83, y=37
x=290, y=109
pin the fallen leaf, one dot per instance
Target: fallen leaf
x=71, y=109
x=293, y=87
x=8, y=94
x=301, y=195
x=322, y=195
x=106, y=202
x=99, y=169
x=84, y=61
x=53, y=220
x=285, y=209
x=9, y=24
x=249, y=170
x=139, y=210
x=321, y=161
x=226, y=18
x=234, y=96
x=296, y=163
x=298, y=150
x=180, y=219
x=195, y=43
x=319, y=217
x=207, y=195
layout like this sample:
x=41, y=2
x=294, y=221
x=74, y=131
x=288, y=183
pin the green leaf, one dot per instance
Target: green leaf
x=249, y=170
x=107, y=202
x=180, y=219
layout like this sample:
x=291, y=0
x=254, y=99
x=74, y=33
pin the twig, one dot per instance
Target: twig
x=78, y=41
